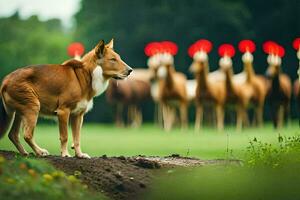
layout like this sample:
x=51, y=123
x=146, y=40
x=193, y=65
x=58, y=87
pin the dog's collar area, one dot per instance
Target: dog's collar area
x=99, y=83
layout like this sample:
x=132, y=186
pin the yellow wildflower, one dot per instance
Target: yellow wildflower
x=72, y=179
x=2, y=159
x=10, y=180
x=32, y=172
x=23, y=166
x=58, y=174
x=47, y=177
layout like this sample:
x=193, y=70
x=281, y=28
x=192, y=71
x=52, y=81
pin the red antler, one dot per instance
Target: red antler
x=270, y=47
x=247, y=45
x=200, y=45
x=281, y=51
x=296, y=44
x=75, y=48
x=169, y=47
x=226, y=50
x=153, y=48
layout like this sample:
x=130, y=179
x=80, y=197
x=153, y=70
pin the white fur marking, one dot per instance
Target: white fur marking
x=153, y=61
x=167, y=59
x=225, y=62
x=162, y=72
x=274, y=60
x=200, y=56
x=98, y=83
x=247, y=57
x=191, y=89
x=155, y=91
x=83, y=106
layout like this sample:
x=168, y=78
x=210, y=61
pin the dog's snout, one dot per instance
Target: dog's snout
x=129, y=70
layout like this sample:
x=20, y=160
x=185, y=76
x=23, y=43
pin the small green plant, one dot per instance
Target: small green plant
x=286, y=151
x=23, y=178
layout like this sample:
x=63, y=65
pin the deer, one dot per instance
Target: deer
x=297, y=93
x=280, y=84
x=208, y=91
x=130, y=93
x=154, y=51
x=257, y=82
x=296, y=45
x=238, y=94
x=172, y=91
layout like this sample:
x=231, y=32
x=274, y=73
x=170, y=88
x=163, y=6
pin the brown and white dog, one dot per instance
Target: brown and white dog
x=65, y=91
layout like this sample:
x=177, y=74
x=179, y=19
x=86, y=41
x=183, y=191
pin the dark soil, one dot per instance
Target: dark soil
x=120, y=177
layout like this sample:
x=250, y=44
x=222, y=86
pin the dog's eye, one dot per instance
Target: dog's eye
x=113, y=59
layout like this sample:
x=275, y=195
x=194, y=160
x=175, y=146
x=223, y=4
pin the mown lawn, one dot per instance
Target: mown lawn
x=99, y=139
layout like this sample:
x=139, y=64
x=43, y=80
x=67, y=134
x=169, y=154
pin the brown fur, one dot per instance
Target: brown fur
x=131, y=93
x=260, y=88
x=297, y=96
x=56, y=90
x=208, y=92
x=172, y=88
x=279, y=94
x=238, y=94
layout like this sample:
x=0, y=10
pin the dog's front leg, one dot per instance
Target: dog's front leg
x=63, y=118
x=76, y=124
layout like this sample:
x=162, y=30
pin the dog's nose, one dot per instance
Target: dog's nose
x=129, y=70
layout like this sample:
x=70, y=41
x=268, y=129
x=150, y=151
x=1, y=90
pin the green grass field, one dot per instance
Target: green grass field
x=99, y=139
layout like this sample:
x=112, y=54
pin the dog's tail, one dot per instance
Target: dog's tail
x=5, y=118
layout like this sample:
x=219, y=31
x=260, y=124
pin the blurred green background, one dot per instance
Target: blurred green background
x=134, y=23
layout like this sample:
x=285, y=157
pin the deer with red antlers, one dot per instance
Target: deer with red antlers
x=154, y=51
x=130, y=93
x=280, y=89
x=171, y=87
x=257, y=82
x=296, y=45
x=238, y=94
x=208, y=91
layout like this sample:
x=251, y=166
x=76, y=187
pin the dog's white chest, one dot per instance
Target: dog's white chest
x=83, y=106
x=99, y=84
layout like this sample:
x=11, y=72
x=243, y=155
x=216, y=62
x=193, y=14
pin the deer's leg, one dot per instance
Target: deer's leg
x=239, y=116
x=220, y=117
x=280, y=117
x=167, y=116
x=184, y=115
x=259, y=115
x=119, y=115
x=199, y=116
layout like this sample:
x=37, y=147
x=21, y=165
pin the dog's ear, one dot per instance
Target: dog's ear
x=100, y=48
x=110, y=44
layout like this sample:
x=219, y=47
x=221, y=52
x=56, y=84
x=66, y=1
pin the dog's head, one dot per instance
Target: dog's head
x=111, y=63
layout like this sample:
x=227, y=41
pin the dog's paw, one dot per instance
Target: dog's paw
x=65, y=155
x=24, y=153
x=83, y=155
x=43, y=152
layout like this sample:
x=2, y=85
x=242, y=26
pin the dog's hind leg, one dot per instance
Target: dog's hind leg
x=29, y=120
x=14, y=134
x=63, y=119
x=76, y=124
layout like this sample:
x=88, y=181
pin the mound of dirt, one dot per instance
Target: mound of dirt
x=120, y=177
